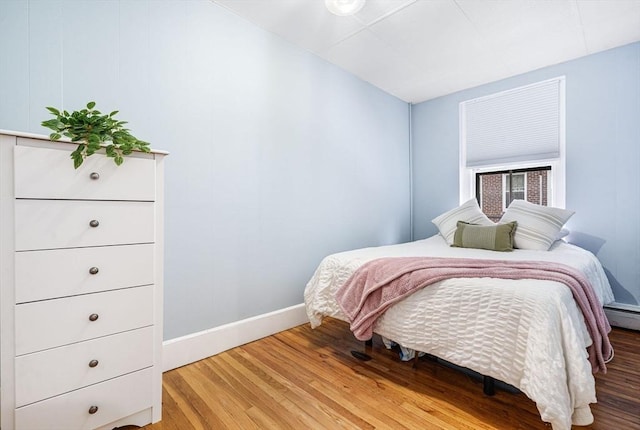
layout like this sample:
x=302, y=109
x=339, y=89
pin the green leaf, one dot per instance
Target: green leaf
x=113, y=113
x=53, y=110
x=90, y=105
x=51, y=123
x=55, y=136
x=77, y=156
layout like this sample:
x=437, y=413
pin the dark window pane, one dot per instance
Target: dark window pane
x=495, y=190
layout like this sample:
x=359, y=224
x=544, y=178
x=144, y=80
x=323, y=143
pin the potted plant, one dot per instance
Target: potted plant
x=92, y=130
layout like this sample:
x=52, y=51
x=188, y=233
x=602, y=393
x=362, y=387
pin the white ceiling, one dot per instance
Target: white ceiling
x=421, y=49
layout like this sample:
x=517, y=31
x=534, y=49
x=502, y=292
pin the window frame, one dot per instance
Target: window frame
x=480, y=187
x=557, y=183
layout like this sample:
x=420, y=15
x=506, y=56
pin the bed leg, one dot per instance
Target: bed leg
x=488, y=385
x=415, y=360
x=363, y=356
x=431, y=357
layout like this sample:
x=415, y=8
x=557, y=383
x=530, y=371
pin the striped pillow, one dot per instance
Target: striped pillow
x=498, y=237
x=469, y=212
x=538, y=226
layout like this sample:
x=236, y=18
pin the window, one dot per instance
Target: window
x=495, y=190
x=512, y=147
x=514, y=186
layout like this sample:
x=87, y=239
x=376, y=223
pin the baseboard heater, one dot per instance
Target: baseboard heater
x=623, y=315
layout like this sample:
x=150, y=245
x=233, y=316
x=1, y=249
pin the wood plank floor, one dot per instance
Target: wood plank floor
x=308, y=379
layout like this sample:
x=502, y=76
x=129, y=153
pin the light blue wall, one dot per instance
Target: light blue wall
x=277, y=157
x=603, y=155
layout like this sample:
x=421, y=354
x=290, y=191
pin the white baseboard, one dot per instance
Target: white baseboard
x=623, y=315
x=196, y=346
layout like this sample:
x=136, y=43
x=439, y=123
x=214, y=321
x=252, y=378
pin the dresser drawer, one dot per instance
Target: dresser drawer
x=49, y=224
x=57, y=322
x=114, y=399
x=49, y=174
x=69, y=272
x=59, y=370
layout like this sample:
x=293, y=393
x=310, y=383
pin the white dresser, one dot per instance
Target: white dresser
x=81, y=270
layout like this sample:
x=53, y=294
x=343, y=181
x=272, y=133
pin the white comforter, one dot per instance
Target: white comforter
x=527, y=333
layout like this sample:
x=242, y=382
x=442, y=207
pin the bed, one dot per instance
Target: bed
x=528, y=333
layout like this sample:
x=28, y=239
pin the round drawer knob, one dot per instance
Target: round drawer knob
x=94, y=223
x=94, y=270
x=93, y=317
x=93, y=410
x=94, y=175
x=93, y=363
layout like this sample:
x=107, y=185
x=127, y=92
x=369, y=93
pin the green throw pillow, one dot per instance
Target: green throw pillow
x=498, y=237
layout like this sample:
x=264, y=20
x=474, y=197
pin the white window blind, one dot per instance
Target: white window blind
x=523, y=124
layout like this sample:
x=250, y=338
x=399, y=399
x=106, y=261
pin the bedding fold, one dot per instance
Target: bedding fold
x=378, y=284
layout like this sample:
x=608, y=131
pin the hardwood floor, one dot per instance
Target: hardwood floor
x=308, y=379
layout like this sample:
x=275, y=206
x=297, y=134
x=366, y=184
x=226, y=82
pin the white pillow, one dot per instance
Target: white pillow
x=538, y=226
x=468, y=212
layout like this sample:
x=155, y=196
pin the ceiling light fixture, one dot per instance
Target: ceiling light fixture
x=344, y=7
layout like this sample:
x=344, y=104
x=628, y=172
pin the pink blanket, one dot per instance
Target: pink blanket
x=380, y=283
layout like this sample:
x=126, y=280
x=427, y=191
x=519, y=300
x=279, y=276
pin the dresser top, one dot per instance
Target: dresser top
x=45, y=137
